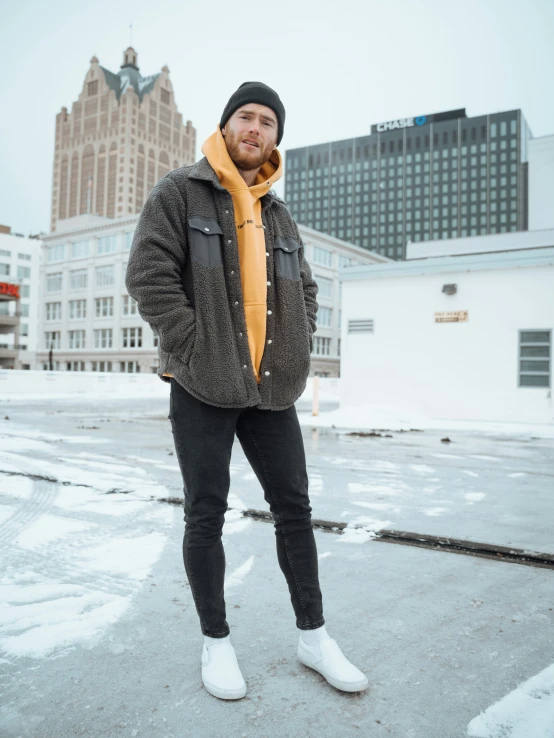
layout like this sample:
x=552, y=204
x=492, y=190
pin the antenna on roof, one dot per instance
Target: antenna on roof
x=131, y=34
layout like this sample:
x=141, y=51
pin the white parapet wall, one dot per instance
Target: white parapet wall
x=43, y=385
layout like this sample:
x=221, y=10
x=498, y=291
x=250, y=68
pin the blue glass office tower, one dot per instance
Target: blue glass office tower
x=415, y=179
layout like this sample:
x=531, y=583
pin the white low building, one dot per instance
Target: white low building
x=461, y=330
x=88, y=322
x=19, y=265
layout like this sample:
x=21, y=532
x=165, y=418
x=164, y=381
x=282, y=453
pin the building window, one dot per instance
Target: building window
x=77, y=309
x=129, y=305
x=322, y=346
x=103, y=307
x=164, y=96
x=23, y=272
x=80, y=249
x=105, y=275
x=106, y=245
x=132, y=337
x=53, y=311
x=323, y=256
x=78, y=279
x=55, y=253
x=77, y=339
x=535, y=349
x=101, y=366
x=345, y=261
x=52, y=340
x=324, y=316
x=75, y=366
x=54, y=282
x=103, y=338
x=5, y=270
x=129, y=239
x=325, y=286
x=132, y=367
x=92, y=88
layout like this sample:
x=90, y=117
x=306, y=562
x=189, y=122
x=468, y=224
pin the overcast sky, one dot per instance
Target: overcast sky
x=337, y=66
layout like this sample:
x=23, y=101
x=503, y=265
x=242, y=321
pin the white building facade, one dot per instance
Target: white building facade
x=88, y=322
x=19, y=265
x=541, y=183
x=465, y=335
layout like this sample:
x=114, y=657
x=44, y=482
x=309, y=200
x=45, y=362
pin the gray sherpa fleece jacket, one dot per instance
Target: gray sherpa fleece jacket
x=183, y=271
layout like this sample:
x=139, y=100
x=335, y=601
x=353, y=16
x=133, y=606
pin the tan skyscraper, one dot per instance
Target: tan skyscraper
x=123, y=134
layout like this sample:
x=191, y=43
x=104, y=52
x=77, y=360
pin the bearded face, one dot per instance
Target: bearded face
x=250, y=136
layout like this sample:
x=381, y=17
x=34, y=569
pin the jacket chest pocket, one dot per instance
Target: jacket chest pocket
x=206, y=241
x=287, y=264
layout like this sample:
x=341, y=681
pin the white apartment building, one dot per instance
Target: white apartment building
x=19, y=265
x=88, y=322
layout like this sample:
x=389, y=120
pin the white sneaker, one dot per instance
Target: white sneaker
x=327, y=658
x=221, y=674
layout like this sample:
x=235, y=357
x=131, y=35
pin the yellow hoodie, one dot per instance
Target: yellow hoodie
x=250, y=235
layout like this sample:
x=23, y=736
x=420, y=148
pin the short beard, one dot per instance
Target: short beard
x=242, y=162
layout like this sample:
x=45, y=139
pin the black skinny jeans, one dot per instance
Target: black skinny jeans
x=273, y=444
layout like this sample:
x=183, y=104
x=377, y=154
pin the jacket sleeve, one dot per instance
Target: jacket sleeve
x=156, y=261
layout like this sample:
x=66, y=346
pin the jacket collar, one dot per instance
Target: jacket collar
x=203, y=170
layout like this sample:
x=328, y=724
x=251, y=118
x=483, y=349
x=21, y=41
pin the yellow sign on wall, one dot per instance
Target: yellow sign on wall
x=455, y=316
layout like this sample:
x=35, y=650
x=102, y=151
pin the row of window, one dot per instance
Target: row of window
x=355, y=235
x=132, y=338
x=23, y=272
x=104, y=276
x=298, y=201
x=8, y=307
x=299, y=162
x=507, y=201
x=396, y=166
x=342, y=184
x=452, y=222
x=449, y=205
x=131, y=367
x=103, y=308
x=87, y=247
x=8, y=254
x=102, y=339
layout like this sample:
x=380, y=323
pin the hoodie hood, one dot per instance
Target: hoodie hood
x=215, y=150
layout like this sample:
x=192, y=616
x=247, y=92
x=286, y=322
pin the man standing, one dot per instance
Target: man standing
x=217, y=268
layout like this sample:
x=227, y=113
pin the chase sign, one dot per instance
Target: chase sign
x=392, y=125
x=418, y=121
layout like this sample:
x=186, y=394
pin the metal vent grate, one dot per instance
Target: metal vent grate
x=361, y=325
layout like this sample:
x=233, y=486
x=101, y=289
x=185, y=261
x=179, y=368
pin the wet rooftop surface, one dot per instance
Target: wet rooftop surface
x=98, y=631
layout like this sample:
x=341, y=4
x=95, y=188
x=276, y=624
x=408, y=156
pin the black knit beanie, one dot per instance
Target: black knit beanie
x=256, y=92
